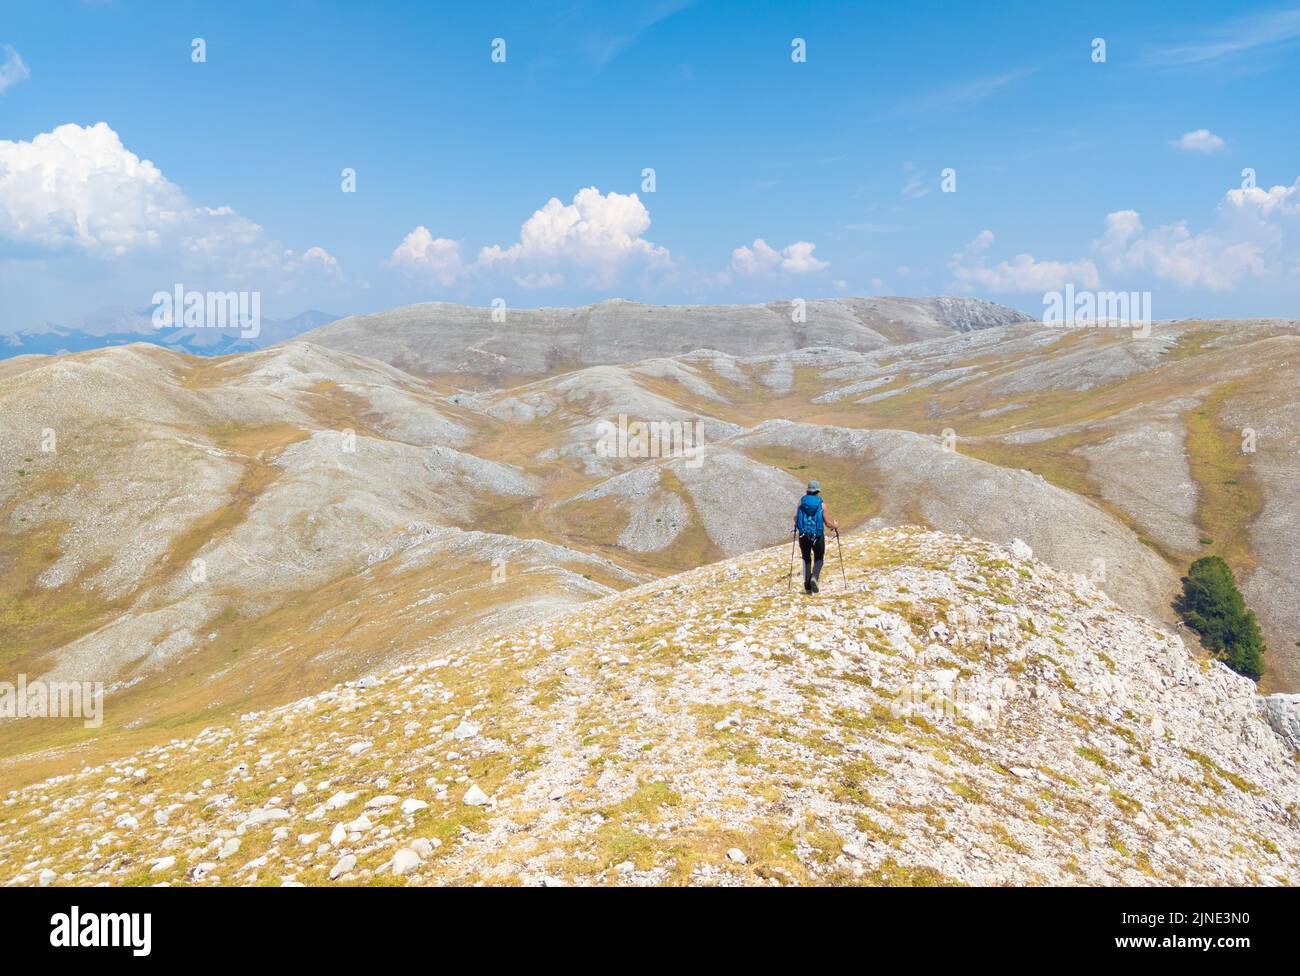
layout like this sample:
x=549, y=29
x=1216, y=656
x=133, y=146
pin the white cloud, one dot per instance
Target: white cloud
x=13, y=69
x=1255, y=237
x=1022, y=274
x=1199, y=141
x=597, y=239
x=78, y=189
x=761, y=259
x=598, y=236
x=1174, y=253
x=314, y=260
x=423, y=255
x=540, y=279
x=1279, y=200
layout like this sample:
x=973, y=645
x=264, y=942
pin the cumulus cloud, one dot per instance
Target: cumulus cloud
x=596, y=239
x=423, y=255
x=1199, y=141
x=760, y=258
x=78, y=189
x=1174, y=253
x=314, y=260
x=1278, y=200
x=1023, y=273
x=1255, y=236
x=13, y=69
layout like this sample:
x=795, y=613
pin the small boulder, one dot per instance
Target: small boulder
x=405, y=861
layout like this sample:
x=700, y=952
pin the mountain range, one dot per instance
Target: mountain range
x=267, y=534
x=121, y=326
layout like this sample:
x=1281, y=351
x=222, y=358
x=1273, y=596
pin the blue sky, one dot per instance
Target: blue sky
x=773, y=179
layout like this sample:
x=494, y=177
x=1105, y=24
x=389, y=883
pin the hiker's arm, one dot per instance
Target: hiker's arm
x=826, y=517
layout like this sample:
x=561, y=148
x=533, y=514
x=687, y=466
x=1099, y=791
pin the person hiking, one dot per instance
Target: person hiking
x=810, y=521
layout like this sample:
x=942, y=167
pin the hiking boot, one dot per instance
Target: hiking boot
x=807, y=586
x=814, y=588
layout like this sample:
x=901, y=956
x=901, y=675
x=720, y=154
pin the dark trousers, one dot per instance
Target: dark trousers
x=812, y=548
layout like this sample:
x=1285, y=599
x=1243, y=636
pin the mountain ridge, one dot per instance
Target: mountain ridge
x=446, y=339
x=953, y=713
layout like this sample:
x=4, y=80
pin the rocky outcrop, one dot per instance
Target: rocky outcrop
x=1283, y=713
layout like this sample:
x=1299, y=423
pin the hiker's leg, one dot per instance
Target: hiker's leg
x=819, y=551
x=805, y=550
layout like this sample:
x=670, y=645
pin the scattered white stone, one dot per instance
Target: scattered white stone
x=405, y=861
x=339, y=799
x=737, y=855
x=359, y=826
x=345, y=864
x=466, y=730
x=474, y=796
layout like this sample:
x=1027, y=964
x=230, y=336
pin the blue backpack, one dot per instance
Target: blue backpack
x=808, y=518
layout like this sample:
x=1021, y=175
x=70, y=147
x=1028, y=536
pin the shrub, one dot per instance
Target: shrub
x=1212, y=606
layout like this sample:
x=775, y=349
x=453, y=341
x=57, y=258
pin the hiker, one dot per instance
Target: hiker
x=810, y=519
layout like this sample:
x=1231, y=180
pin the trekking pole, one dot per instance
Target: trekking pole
x=841, y=552
x=789, y=577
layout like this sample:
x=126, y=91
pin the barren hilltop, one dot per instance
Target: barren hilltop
x=717, y=728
